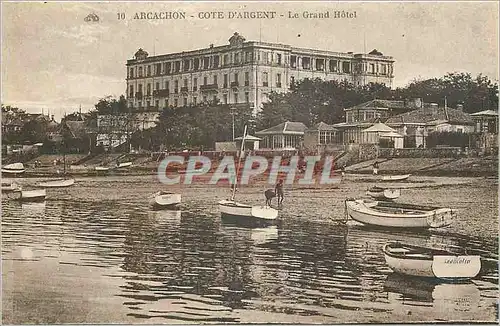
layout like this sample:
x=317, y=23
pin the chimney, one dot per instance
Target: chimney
x=460, y=107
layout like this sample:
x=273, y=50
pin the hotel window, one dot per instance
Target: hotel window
x=236, y=78
x=235, y=97
x=176, y=102
x=177, y=66
x=225, y=80
x=195, y=84
x=269, y=57
x=225, y=98
x=292, y=82
x=236, y=58
x=157, y=86
x=167, y=85
x=306, y=63
x=148, y=89
x=186, y=65
x=196, y=64
x=131, y=90
x=247, y=97
x=185, y=82
x=195, y=100
x=216, y=61
x=293, y=61
x=215, y=80
x=140, y=88
x=247, y=78
x=149, y=70
x=265, y=79
x=168, y=67
x=205, y=80
x=346, y=67
x=320, y=64
x=206, y=62
x=176, y=87
x=131, y=73
x=140, y=71
x=372, y=68
x=278, y=58
x=278, y=80
x=247, y=56
x=226, y=59
x=384, y=69
x=185, y=101
x=158, y=69
x=148, y=103
x=369, y=115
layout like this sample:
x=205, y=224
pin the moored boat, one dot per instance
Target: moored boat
x=243, y=213
x=383, y=193
x=395, y=177
x=56, y=183
x=33, y=195
x=102, y=168
x=430, y=262
x=123, y=165
x=163, y=199
x=399, y=215
x=14, y=168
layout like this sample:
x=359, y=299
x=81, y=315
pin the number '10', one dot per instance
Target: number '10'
x=121, y=15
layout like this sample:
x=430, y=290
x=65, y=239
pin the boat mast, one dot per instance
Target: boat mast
x=239, y=158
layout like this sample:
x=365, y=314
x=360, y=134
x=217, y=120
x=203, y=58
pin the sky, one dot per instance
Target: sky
x=53, y=60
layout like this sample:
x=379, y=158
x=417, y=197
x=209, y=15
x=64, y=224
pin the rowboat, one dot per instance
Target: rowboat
x=383, y=193
x=124, y=165
x=56, y=183
x=13, y=168
x=390, y=214
x=243, y=213
x=102, y=168
x=429, y=262
x=33, y=195
x=395, y=177
x=163, y=199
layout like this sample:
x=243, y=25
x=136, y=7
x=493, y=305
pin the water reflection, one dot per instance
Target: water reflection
x=450, y=301
x=184, y=266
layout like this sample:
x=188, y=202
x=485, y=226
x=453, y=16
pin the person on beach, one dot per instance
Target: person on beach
x=278, y=190
x=375, y=168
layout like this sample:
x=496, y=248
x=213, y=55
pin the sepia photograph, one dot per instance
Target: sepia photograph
x=280, y=162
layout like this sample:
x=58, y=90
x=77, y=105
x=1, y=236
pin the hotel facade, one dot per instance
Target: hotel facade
x=242, y=73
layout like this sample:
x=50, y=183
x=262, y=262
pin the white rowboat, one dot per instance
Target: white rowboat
x=389, y=214
x=33, y=195
x=56, y=183
x=245, y=213
x=383, y=193
x=102, y=168
x=124, y=165
x=428, y=262
x=395, y=177
x=13, y=168
x=164, y=199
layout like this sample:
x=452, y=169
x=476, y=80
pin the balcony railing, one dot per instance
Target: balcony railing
x=195, y=88
x=184, y=89
x=138, y=95
x=209, y=87
x=235, y=84
x=161, y=92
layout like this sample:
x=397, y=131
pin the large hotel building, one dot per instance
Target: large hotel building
x=242, y=73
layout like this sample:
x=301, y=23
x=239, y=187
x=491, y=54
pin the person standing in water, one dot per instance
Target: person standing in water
x=375, y=168
x=279, y=191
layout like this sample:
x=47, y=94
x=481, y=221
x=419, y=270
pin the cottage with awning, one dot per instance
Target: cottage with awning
x=285, y=136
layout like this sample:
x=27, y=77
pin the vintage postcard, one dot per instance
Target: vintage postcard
x=249, y=162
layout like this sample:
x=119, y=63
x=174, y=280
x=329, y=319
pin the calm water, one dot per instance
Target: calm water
x=95, y=253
